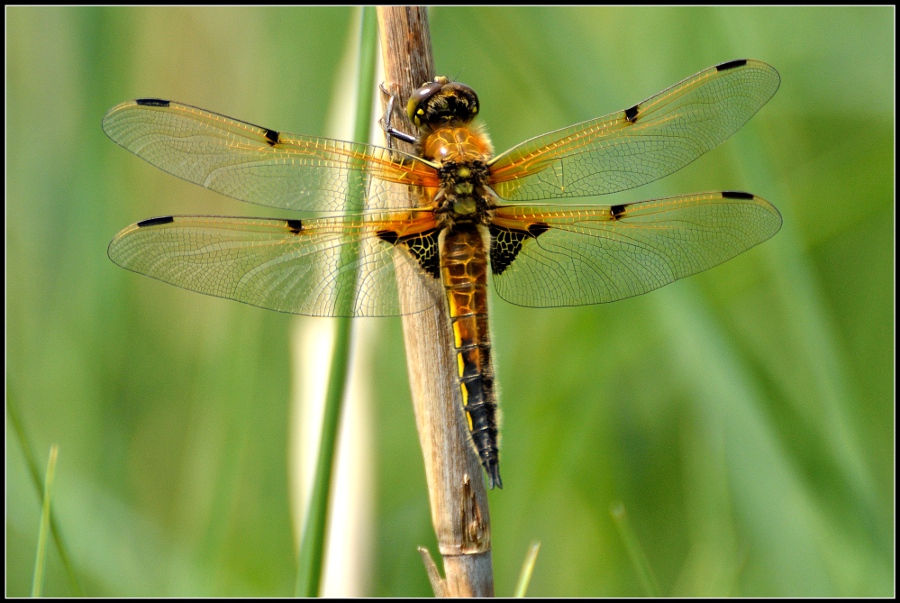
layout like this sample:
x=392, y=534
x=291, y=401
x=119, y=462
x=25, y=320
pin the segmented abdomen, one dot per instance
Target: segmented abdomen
x=464, y=272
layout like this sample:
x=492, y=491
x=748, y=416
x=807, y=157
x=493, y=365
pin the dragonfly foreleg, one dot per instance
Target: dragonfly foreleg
x=385, y=122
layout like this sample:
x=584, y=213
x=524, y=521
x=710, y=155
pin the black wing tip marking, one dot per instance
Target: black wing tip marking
x=617, y=211
x=631, y=114
x=295, y=226
x=152, y=102
x=272, y=136
x=155, y=221
x=738, y=195
x=731, y=65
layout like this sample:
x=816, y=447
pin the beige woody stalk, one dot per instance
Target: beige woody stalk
x=459, y=509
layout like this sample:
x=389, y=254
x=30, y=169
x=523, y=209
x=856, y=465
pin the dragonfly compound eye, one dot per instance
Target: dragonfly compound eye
x=442, y=102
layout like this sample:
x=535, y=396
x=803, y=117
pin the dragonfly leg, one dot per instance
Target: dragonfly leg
x=385, y=122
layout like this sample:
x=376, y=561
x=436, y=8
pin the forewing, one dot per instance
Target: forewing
x=260, y=165
x=322, y=267
x=639, y=145
x=571, y=256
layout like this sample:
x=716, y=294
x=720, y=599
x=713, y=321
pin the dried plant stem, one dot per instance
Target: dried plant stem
x=459, y=508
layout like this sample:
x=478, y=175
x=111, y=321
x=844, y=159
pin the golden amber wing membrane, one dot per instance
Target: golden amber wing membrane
x=544, y=256
x=259, y=165
x=323, y=267
x=638, y=145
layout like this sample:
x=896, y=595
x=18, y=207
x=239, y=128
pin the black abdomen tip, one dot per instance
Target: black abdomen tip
x=493, y=471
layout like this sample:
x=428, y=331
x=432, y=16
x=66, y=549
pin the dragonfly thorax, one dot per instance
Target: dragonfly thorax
x=464, y=195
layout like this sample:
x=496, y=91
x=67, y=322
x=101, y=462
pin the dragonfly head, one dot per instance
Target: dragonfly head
x=442, y=103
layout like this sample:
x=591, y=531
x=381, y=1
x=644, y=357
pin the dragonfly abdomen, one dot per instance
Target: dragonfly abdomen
x=464, y=273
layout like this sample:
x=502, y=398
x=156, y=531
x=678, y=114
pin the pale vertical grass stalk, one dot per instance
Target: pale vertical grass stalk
x=312, y=545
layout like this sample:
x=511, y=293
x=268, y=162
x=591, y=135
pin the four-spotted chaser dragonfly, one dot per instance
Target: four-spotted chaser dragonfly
x=475, y=212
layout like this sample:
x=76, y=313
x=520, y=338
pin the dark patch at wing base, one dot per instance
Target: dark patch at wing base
x=617, y=211
x=387, y=235
x=506, y=243
x=422, y=246
x=295, y=226
x=155, y=221
x=538, y=228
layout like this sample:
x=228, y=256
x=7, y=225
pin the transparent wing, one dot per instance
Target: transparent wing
x=259, y=165
x=639, y=145
x=323, y=267
x=574, y=255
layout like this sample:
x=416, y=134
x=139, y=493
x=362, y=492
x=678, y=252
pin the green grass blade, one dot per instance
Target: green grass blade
x=16, y=422
x=40, y=557
x=312, y=545
x=527, y=570
x=635, y=552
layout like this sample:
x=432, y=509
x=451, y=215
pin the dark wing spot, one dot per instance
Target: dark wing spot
x=617, y=211
x=631, y=114
x=155, y=221
x=387, y=235
x=506, y=244
x=731, y=65
x=295, y=226
x=737, y=195
x=538, y=228
x=272, y=137
x=152, y=102
x=424, y=247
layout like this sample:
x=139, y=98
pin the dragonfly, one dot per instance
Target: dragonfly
x=473, y=213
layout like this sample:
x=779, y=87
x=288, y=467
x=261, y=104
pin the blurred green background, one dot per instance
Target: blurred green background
x=742, y=417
